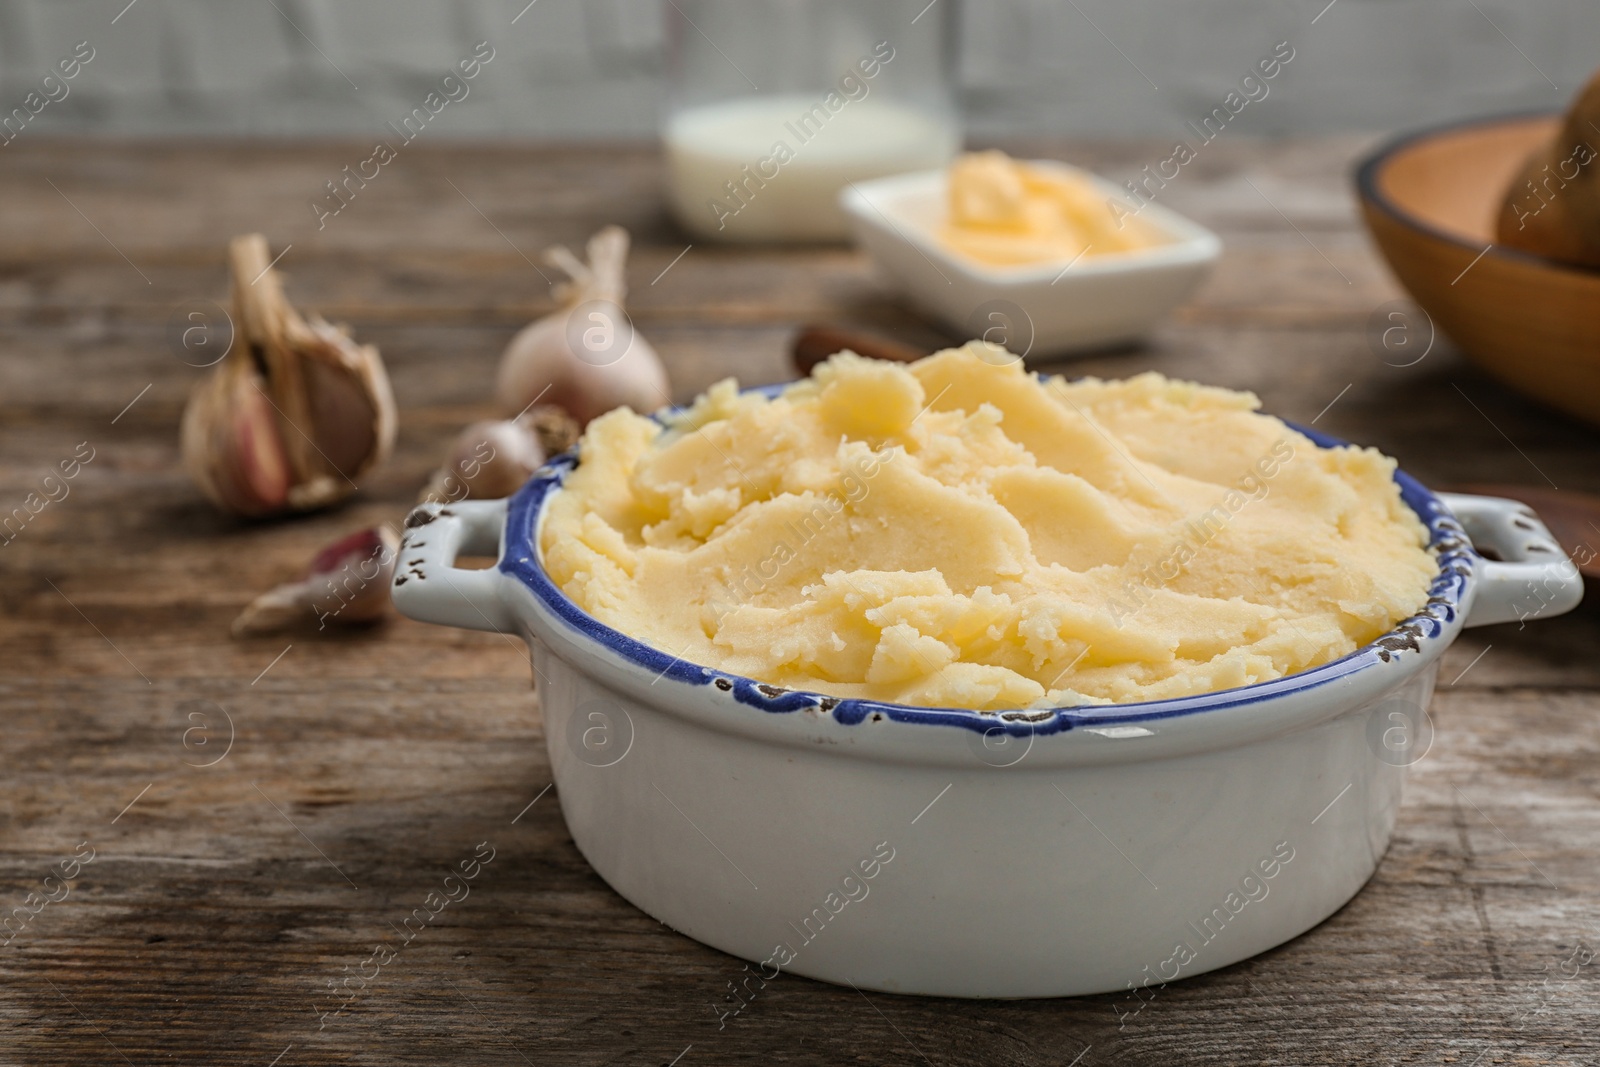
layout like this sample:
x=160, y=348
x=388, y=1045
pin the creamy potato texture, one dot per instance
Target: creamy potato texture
x=957, y=532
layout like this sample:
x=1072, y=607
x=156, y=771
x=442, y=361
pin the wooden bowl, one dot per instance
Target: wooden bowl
x=1430, y=200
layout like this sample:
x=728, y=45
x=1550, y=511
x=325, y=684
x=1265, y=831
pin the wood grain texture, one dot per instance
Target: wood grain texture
x=222, y=900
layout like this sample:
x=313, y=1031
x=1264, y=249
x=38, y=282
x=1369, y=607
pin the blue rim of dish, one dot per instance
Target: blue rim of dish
x=1446, y=540
x=1366, y=182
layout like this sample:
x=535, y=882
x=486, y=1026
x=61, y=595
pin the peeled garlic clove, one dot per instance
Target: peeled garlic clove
x=347, y=582
x=585, y=356
x=312, y=401
x=489, y=459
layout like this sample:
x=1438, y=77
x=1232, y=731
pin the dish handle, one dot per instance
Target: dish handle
x=429, y=587
x=1532, y=578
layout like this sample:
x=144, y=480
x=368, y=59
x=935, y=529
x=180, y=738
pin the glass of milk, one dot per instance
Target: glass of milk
x=774, y=106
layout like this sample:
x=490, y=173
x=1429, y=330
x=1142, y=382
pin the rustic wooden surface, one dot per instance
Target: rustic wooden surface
x=223, y=899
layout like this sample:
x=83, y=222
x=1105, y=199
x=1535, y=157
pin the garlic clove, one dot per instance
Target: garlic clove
x=355, y=572
x=494, y=458
x=585, y=356
x=232, y=444
x=347, y=582
x=344, y=418
x=322, y=410
x=557, y=431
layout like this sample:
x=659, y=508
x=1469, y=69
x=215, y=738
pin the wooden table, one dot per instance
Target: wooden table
x=223, y=900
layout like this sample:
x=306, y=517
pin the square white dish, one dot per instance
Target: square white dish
x=1038, y=309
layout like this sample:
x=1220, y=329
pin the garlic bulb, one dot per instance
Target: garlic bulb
x=295, y=412
x=347, y=582
x=585, y=356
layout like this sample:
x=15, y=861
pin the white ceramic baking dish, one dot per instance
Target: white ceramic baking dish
x=1041, y=309
x=938, y=851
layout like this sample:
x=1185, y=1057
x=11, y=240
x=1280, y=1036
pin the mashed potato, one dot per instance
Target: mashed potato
x=957, y=532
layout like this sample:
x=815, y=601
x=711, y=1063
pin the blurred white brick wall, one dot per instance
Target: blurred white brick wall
x=591, y=68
